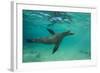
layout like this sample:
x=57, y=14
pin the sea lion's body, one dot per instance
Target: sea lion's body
x=48, y=40
x=54, y=39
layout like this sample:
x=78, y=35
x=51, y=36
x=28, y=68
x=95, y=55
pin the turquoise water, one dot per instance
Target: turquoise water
x=74, y=47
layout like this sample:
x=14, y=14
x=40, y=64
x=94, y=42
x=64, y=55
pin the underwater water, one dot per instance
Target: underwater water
x=71, y=47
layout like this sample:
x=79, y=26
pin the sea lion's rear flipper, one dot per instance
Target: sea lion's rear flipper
x=55, y=48
x=51, y=31
x=29, y=40
x=34, y=40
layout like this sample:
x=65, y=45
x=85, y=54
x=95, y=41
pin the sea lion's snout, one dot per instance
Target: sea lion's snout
x=71, y=33
x=68, y=33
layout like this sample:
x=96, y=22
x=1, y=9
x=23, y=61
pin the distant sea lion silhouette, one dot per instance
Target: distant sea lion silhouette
x=56, y=39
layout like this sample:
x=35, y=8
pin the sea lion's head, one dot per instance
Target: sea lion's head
x=68, y=33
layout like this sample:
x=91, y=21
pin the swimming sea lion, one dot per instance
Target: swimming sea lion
x=56, y=39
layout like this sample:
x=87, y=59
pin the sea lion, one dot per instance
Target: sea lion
x=56, y=39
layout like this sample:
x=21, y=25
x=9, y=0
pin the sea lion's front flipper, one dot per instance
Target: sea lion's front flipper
x=55, y=48
x=51, y=31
